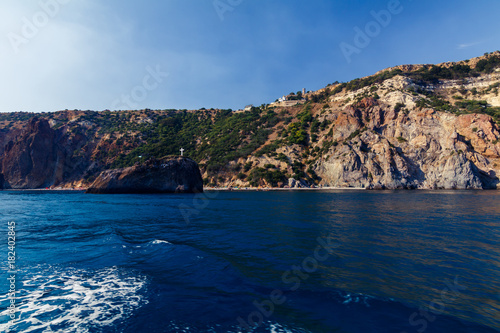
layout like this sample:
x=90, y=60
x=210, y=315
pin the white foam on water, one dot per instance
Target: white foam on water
x=78, y=300
x=159, y=241
x=357, y=298
x=271, y=327
x=277, y=328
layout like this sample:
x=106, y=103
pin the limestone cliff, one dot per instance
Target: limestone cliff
x=410, y=126
x=420, y=148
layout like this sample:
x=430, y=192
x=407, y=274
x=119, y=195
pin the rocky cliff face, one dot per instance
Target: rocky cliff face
x=412, y=126
x=39, y=157
x=167, y=175
x=401, y=132
x=411, y=149
x=29, y=161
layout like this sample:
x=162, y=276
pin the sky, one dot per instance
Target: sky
x=190, y=54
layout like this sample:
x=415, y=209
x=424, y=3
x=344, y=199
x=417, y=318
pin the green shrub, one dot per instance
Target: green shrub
x=401, y=139
x=399, y=106
x=282, y=158
x=271, y=177
x=248, y=166
x=355, y=134
x=297, y=134
x=488, y=65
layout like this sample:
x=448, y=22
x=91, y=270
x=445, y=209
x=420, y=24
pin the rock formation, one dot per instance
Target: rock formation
x=38, y=156
x=407, y=127
x=166, y=175
x=30, y=159
x=411, y=149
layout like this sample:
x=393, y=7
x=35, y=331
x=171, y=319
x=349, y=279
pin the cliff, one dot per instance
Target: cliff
x=410, y=126
x=166, y=175
x=39, y=156
x=413, y=149
x=29, y=161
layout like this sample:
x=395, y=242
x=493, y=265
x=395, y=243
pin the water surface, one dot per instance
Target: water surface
x=404, y=261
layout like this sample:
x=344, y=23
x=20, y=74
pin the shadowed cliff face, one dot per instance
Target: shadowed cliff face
x=29, y=161
x=166, y=175
x=39, y=156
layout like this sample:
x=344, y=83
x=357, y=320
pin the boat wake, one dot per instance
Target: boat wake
x=80, y=300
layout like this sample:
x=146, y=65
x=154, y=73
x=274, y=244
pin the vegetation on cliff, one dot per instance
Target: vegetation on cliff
x=271, y=145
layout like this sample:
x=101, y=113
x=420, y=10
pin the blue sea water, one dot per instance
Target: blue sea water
x=325, y=261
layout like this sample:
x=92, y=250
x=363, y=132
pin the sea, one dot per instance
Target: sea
x=250, y=261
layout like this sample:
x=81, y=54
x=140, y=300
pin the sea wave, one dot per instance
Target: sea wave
x=81, y=300
x=357, y=298
x=269, y=327
x=160, y=241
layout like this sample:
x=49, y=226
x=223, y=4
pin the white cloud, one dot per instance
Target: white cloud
x=467, y=45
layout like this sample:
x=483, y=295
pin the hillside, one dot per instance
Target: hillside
x=412, y=126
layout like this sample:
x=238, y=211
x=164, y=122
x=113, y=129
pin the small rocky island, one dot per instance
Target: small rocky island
x=171, y=174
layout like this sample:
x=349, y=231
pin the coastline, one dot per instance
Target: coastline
x=253, y=189
x=283, y=189
x=205, y=189
x=44, y=189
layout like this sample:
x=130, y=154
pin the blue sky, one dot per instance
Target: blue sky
x=69, y=54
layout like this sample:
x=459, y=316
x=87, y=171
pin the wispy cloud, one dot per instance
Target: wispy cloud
x=467, y=45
